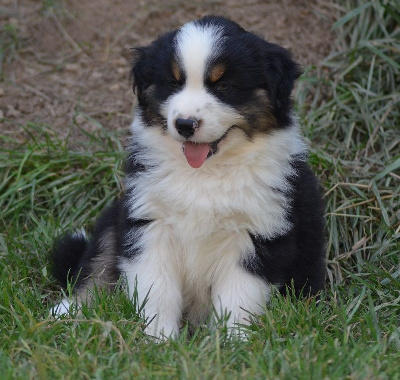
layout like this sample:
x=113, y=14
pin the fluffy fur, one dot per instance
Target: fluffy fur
x=220, y=203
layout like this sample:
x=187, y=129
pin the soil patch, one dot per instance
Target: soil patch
x=68, y=62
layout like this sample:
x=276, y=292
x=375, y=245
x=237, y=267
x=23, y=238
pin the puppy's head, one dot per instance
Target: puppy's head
x=211, y=77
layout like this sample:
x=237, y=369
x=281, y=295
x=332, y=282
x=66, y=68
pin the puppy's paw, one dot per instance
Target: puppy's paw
x=64, y=308
x=161, y=330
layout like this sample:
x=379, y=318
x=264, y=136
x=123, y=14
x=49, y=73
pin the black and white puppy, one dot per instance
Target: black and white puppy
x=220, y=203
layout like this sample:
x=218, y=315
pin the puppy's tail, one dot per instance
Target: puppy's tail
x=66, y=256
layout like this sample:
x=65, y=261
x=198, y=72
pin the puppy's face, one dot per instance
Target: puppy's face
x=209, y=78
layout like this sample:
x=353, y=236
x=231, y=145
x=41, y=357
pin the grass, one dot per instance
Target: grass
x=351, y=113
x=352, y=109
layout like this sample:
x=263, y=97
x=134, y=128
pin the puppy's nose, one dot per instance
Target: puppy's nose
x=186, y=127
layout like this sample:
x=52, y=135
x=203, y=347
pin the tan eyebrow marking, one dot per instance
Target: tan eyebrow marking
x=176, y=72
x=217, y=72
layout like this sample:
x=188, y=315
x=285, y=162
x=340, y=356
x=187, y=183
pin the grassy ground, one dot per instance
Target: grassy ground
x=350, y=107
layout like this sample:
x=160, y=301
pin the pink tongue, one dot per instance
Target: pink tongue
x=196, y=154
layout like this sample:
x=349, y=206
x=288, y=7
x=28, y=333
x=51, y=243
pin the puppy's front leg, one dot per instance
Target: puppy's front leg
x=154, y=274
x=239, y=294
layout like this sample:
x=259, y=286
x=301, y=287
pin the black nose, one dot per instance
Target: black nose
x=186, y=127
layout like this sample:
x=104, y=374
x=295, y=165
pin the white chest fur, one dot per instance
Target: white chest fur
x=241, y=188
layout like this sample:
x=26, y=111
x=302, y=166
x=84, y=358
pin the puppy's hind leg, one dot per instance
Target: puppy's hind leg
x=86, y=265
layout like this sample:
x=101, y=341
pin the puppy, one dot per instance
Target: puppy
x=219, y=203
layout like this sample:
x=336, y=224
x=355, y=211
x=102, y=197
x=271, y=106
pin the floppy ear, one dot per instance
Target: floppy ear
x=281, y=71
x=140, y=70
x=148, y=61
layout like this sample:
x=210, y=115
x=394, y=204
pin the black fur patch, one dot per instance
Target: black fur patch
x=297, y=256
x=65, y=257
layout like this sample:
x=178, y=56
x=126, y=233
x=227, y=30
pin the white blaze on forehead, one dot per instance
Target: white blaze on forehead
x=196, y=45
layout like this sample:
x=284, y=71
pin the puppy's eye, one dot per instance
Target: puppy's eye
x=223, y=87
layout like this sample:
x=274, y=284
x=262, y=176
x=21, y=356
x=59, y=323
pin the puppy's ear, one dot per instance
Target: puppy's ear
x=147, y=62
x=140, y=70
x=281, y=71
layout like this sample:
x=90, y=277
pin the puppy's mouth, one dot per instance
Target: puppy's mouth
x=197, y=153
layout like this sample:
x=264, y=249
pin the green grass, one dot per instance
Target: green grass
x=351, y=113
